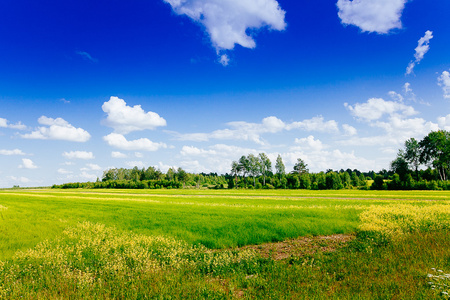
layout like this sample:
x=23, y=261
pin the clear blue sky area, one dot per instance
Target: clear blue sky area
x=90, y=85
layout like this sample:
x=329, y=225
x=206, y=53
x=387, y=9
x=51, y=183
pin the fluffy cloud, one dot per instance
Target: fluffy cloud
x=27, y=164
x=252, y=131
x=125, y=119
x=239, y=131
x=5, y=124
x=349, y=130
x=315, y=124
x=444, y=122
x=444, y=82
x=119, y=141
x=78, y=155
x=64, y=171
x=58, y=129
x=94, y=167
x=422, y=48
x=378, y=16
x=228, y=22
x=117, y=154
x=19, y=179
x=11, y=152
x=308, y=143
x=375, y=108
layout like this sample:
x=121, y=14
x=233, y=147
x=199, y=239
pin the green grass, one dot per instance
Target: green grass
x=47, y=255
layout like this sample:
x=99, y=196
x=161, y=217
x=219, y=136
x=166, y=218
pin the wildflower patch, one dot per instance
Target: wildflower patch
x=397, y=220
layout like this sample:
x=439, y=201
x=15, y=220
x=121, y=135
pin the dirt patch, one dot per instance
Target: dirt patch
x=301, y=246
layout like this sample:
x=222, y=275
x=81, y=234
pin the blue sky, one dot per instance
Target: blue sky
x=90, y=85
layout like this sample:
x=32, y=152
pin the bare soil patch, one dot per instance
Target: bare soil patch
x=301, y=246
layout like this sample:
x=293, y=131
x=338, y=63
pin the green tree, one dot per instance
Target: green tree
x=254, y=167
x=400, y=165
x=436, y=151
x=235, y=170
x=244, y=165
x=279, y=167
x=300, y=167
x=265, y=166
x=412, y=155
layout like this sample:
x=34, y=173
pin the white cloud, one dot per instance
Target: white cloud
x=239, y=130
x=396, y=96
x=117, y=154
x=422, y=48
x=245, y=131
x=12, y=152
x=315, y=124
x=94, y=167
x=64, y=171
x=138, y=154
x=59, y=129
x=224, y=60
x=444, y=122
x=78, y=155
x=380, y=16
x=375, y=108
x=308, y=143
x=119, y=141
x=87, y=176
x=5, y=124
x=444, y=82
x=125, y=119
x=349, y=130
x=27, y=164
x=138, y=164
x=19, y=179
x=86, y=56
x=230, y=22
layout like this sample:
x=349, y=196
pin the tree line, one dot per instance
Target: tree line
x=420, y=165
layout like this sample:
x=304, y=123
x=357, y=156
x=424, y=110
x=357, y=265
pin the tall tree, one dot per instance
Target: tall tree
x=244, y=165
x=279, y=167
x=300, y=166
x=265, y=166
x=253, y=163
x=235, y=170
x=400, y=165
x=412, y=155
x=436, y=151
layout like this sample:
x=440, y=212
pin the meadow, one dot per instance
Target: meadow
x=173, y=244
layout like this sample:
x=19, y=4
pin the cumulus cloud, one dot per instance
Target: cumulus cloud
x=216, y=158
x=380, y=16
x=125, y=119
x=11, y=152
x=64, y=171
x=444, y=122
x=228, y=22
x=239, y=130
x=246, y=131
x=19, y=179
x=308, y=143
x=78, y=155
x=349, y=130
x=315, y=124
x=94, y=167
x=444, y=82
x=422, y=48
x=5, y=124
x=119, y=141
x=58, y=129
x=375, y=108
x=27, y=164
x=117, y=154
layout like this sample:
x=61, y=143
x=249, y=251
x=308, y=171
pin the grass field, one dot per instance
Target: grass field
x=161, y=243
